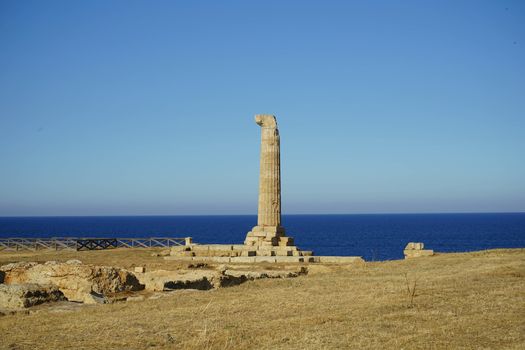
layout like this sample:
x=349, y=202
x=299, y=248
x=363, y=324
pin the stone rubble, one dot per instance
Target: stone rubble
x=30, y=283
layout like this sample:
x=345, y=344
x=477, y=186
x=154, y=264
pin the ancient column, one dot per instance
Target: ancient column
x=269, y=230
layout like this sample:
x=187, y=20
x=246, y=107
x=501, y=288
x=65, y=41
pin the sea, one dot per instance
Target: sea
x=375, y=237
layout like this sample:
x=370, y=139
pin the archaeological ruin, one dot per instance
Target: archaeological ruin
x=266, y=241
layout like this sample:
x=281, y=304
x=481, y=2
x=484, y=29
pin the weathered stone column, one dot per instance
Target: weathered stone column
x=268, y=230
x=269, y=212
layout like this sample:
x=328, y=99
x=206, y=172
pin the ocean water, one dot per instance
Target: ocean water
x=374, y=236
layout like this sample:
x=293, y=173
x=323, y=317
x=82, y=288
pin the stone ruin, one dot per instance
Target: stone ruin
x=267, y=241
x=27, y=284
x=416, y=250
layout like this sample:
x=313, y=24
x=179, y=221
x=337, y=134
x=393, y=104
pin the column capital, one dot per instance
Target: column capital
x=266, y=121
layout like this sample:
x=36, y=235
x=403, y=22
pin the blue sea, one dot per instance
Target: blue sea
x=373, y=236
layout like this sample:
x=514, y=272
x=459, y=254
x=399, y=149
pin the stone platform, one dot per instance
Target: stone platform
x=237, y=250
x=240, y=253
x=246, y=259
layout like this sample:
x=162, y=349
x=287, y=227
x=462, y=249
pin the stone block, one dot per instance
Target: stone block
x=261, y=234
x=283, y=252
x=249, y=253
x=415, y=246
x=286, y=241
x=200, y=258
x=412, y=253
x=264, y=248
x=219, y=246
x=251, y=241
x=243, y=259
x=140, y=269
x=288, y=259
x=270, y=229
x=265, y=252
x=270, y=259
x=216, y=253
x=200, y=248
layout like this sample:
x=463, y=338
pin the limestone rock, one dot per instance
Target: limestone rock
x=75, y=281
x=74, y=262
x=160, y=280
x=409, y=254
x=258, y=274
x=136, y=298
x=415, y=246
x=164, y=252
x=415, y=250
x=16, y=296
x=139, y=269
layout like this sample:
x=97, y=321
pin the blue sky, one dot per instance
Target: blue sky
x=146, y=107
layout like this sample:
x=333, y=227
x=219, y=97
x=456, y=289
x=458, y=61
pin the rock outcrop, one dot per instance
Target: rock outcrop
x=17, y=296
x=162, y=280
x=74, y=279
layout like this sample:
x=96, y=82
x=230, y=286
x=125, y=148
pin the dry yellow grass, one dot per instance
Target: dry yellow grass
x=462, y=301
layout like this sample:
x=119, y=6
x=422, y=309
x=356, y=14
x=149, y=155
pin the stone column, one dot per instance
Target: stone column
x=269, y=213
x=269, y=230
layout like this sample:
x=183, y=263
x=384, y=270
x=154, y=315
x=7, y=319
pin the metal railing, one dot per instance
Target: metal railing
x=88, y=243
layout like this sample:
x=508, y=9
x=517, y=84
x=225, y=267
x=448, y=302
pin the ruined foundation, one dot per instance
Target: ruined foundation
x=266, y=242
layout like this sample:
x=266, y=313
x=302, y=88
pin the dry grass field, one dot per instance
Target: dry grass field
x=461, y=301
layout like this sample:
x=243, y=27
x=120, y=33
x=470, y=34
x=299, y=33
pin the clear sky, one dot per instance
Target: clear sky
x=146, y=107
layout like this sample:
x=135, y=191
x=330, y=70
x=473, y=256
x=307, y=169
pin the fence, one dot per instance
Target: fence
x=76, y=243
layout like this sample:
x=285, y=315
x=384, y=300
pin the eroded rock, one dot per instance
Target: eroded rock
x=183, y=279
x=162, y=280
x=253, y=275
x=75, y=281
x=16, y=296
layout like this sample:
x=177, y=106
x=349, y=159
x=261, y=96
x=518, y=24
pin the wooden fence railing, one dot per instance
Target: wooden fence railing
x=82, y=243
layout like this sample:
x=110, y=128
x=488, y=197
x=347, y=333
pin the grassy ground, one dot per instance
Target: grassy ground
x=461, y=301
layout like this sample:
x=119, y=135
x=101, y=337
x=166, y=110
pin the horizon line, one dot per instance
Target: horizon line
x=293, y=214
